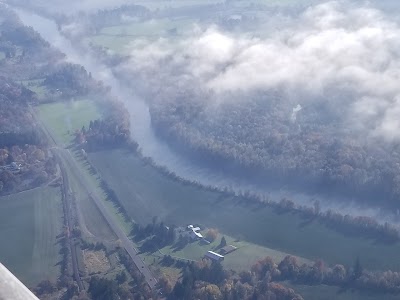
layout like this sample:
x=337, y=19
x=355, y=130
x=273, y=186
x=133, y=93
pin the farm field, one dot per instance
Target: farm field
x=63, y=118
x=118, y=38
x=239, y=260
x=148, y=28
x=94, y=226
x=334, y=293
x=182, y=3
x=29, y=225
x=36, y=87
x=146, y=193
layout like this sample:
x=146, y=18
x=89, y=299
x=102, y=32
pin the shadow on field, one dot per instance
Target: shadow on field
x=180, y=244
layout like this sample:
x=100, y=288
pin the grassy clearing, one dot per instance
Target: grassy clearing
x=63, y=118
x=93, y=225
x=152, y=27
x=118, y=38
x=174, y=4
x=36, y=86
x=118, y=44
x=334, y=293
x=146, y=193
x=29, y=224
x=245, y=255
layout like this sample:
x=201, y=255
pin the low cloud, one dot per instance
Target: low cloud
x=329, y=48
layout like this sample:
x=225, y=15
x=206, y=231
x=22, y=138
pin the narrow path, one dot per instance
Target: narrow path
x=66, y=195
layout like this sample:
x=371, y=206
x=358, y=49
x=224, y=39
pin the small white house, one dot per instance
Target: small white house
x=194, y=232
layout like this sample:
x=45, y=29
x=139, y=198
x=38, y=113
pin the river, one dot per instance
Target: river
x=157, y=149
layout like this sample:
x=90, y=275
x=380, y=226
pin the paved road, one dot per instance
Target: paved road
x=124, y=239
x=66, y=157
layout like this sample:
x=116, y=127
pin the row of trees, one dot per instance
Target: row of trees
x=319, y=273
x=208, y=280
x=344, y=223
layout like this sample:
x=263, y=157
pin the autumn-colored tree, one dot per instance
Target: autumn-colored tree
x=165, y=284
x=211, y=234
x=208, y=292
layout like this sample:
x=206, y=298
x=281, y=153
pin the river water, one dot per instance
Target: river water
x=155, y=148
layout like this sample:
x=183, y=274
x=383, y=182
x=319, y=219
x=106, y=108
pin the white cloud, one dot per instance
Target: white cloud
x=332, y=46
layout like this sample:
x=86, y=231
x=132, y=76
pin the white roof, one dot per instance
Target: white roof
x=214, y=255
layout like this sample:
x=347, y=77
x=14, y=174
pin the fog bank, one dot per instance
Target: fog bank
x=332, y=48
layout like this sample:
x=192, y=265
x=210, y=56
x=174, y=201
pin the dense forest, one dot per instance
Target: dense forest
x=272, y=140
x=24, y=159
x=68, y=80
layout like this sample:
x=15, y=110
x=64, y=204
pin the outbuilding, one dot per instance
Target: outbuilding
x=214, y=256
x=227, y=249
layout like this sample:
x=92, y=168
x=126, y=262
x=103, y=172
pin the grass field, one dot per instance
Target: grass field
x=63, y=118
x=29, y=224
x=93, y=225
x=151, y=4
x=36, y=86
x=118, y=38
x=146, y=193
x=148, y=28
x=60, y=118
x=334, y=293
x=245, y=255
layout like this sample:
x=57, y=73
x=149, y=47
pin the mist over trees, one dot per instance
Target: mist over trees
x=312, y=105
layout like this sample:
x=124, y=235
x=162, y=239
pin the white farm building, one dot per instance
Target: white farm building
x=214, y=256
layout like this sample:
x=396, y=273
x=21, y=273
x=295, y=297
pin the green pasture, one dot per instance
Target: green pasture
x=148, y=28
x=146, y=193
x=241, y=259
x=29, y=225
x=36, y=86
x=118, y=38
x=63, y=118
x=325, y=292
